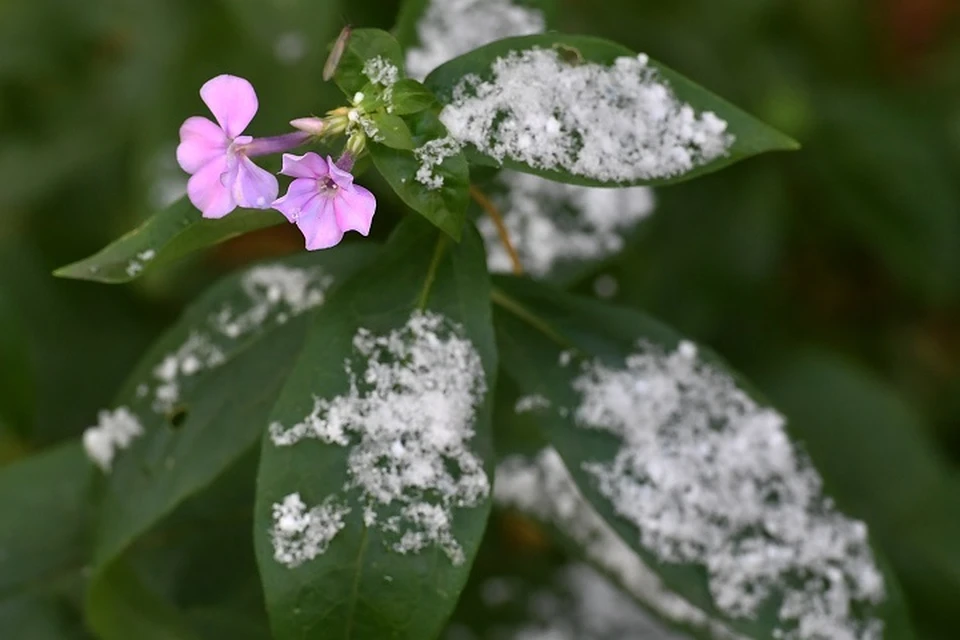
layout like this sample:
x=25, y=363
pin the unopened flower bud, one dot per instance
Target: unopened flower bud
x=312, y=125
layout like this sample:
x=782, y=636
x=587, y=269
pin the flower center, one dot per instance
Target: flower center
x=327, y=187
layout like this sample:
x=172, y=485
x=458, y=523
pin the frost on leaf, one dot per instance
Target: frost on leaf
x=552, y=223
x=449, y=28
x=542, y=488
x=408, y=420
x=136, y=265
x=114, y=431
x=381, y=71
x=709, y=477
x=431, y=155
x=300, y=534
x=616, y=123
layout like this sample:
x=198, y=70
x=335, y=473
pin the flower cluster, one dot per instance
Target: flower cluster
x=322, y=199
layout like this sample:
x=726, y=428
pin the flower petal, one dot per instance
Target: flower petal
x=232, y=101
x=299, y=200
x=309, y=165
x=343, y=178
x=200, y=142
x=354, y=207
x=254, y=188
x=207, y=192
x=320, y=226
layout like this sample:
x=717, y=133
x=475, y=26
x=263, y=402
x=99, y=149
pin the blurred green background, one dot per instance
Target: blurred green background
x=830, y=276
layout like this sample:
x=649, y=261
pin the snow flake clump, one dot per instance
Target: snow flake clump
x=431, y=155
x=616, y=123
x=381, y=71
x=450, y=28
x=274, y=290
x=299, y=535
x=114, y=431
x=551, y=223
x=408, y=419
x=135, y=266
x=709, y=477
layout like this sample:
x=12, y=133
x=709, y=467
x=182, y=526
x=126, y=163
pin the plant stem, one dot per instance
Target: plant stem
x=494, y=214
x=438, y=252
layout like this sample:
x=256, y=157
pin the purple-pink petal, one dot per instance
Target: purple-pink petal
x=254, y=187
x=299, y=200
x=207, y=193
x=232, y=101
x=319, y=225
x=343, y=178
x=354, y=207
x=200, y=142
x=309, y=165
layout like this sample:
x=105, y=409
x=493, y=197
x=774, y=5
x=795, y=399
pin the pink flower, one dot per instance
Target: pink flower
x=222, y=175
x=323, y=201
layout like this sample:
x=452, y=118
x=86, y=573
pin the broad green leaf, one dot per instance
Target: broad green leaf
x=536, y=325
x=165, y=237
x=859, y=430
x=751, y=136
x=203, y=391
x=359, y=586
x=43, y=544
x=410, y=96
x=443, y=197
x=394, y=131
x=365, y=45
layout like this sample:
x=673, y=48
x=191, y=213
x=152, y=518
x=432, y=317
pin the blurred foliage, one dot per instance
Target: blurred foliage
x=851, y=246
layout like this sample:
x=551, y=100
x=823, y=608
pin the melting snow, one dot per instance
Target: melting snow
x=408, y=420
x=552, y=223
x=135, y=265
x=616, y=123
x=114, y=431
x=299, y=535
x=449, y=28
x=709, y=477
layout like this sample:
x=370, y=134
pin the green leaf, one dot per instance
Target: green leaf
x=394, y=131
x=43, y=542
x=202, y=393
x=364, y=45
x=751, y=136
x=446, y=206
x=359, y=587
x=410, y=96
x=165, y=237
x=857, y=428
x=535, y=326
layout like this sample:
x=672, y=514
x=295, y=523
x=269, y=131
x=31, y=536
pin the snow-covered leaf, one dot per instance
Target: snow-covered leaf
x=588, y=111
x=198, y=399
x=375, y=475
x=693, y=471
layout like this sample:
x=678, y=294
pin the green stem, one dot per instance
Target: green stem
x=438, y=252
x=509, y=304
